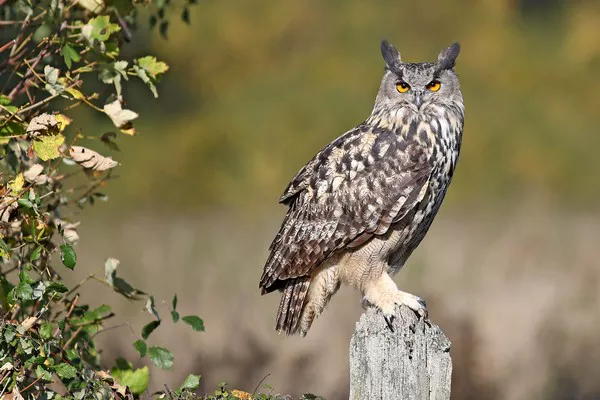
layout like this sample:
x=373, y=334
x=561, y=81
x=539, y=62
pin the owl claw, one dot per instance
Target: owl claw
x=389, y=320
x=365, y=303
x=422, y=310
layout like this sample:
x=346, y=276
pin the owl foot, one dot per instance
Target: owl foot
x=413, y=302
x=384, y=295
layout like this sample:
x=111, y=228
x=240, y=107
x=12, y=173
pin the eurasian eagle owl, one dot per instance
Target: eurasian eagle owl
x=360, y=207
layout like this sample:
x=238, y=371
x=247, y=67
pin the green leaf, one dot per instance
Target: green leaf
x=144, y=77
x=153, y=67
x=136, y=380
x=68, y=256
x=66, y=371
x=26, y=344
x=112, y=74
x=70, y=55
x=161, y=357
x=43, y=374
x=103, y=309
x=47, y=147
x=118, y=284
x=191, y=382
x=175, y=315
x=45, y=330
x=141, y=347
x=72, y=355
x=5, y=100
x=174, y=302
x=24, y=291
x=310, y=396
x=25, y=203
x=4, y=249
x=11, y=128
x=195, y=322
x=149, y=328
x=57, y=287
x=24, y=277
x=9, y=333
x=35, y=254
x=99, y=28
x=123, y=364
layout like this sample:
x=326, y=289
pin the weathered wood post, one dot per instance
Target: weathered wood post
x=411, y=363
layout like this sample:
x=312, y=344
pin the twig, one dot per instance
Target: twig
x=68, y=313
x=37, y=60
x=23, y=44
x=261, y=381
x=116, y=327
x=21, y=33
x=46, y=100
x=31, y=384
x=39, y=103
x=4, y=388
x=168, y=392
x=8, y=45
x=16, y=309
x=73, y=336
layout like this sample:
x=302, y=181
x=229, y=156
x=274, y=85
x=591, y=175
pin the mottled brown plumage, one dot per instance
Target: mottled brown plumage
x=359, y=208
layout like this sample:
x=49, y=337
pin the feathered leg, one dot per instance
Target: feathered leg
x=323, y=285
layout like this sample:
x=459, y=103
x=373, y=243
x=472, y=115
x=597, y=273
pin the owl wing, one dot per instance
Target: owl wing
x=353, y=189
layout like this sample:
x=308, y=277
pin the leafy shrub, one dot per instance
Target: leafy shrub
x=55, y=56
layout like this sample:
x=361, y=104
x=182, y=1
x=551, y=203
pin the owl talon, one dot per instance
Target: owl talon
x=421, y=311
x=365, y=303
x=418, y=305
x=389, y=320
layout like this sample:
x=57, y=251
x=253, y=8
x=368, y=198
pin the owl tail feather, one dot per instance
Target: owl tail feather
x=291, y=305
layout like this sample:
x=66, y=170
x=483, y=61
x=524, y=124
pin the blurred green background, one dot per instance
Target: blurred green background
x=510, y=268
x=256, y=88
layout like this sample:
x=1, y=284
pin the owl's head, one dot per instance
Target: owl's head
x=419, y=85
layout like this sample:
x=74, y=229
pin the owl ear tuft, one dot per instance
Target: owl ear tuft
x=391, y=55
x=447, y=57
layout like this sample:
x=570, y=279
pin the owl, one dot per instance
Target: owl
x=362, y=204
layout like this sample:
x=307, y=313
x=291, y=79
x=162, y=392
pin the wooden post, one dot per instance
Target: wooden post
x=411, y=363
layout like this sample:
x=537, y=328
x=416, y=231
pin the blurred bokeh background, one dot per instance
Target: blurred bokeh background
x=510, y=269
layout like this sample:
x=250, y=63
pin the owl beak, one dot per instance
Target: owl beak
x=419, y=99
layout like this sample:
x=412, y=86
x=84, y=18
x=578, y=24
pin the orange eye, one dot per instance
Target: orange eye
x=402, y=87
x=434, y=86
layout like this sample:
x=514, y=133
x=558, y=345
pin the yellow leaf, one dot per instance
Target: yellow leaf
x=241, y=394
x=63, y=121
x=75, y=93
x=129, y=131
x=94, y=6
x=47, y=147
x=16, y=185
